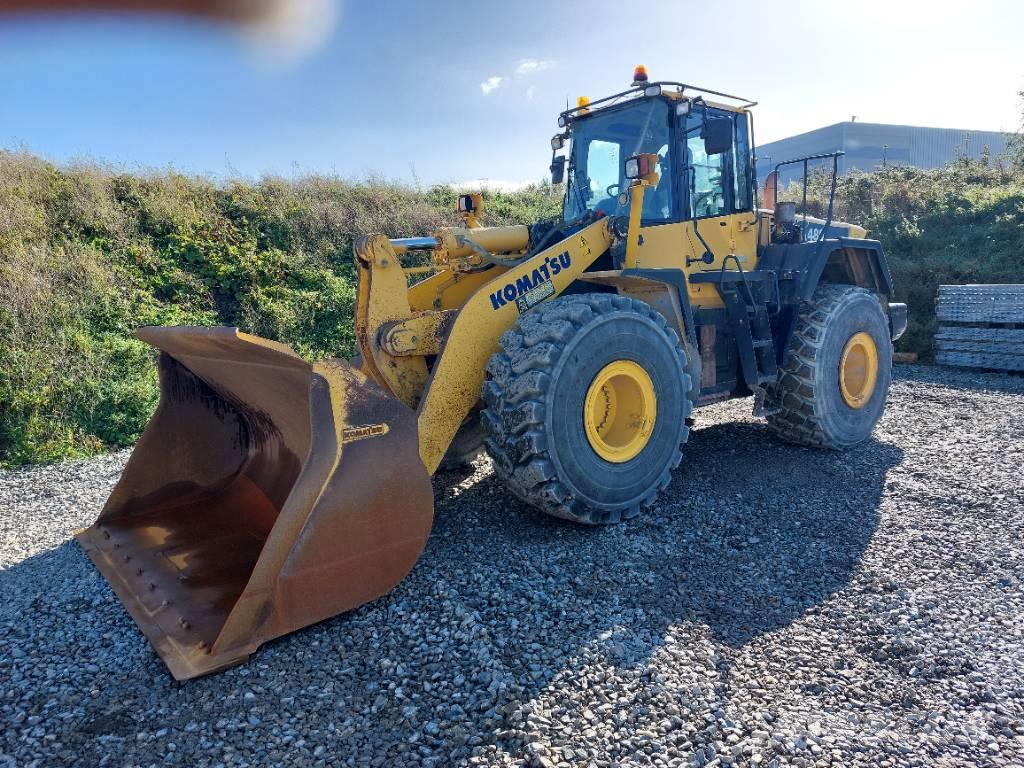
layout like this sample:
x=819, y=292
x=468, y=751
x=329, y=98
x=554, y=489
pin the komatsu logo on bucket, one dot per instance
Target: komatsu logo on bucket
x=534, y=287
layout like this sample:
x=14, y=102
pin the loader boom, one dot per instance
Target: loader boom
x=454, y=383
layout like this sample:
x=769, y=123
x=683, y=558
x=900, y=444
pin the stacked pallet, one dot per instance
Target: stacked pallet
x=983, y=326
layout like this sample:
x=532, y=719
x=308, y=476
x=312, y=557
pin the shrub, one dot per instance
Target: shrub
x=90, y=254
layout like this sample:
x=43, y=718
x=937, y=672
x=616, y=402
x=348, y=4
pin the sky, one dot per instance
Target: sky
x=436, y=92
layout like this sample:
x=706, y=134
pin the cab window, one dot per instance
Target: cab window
x=721, y=183
x=601, y=144
x=707, y=193
x=603, y=170
x=741, y=173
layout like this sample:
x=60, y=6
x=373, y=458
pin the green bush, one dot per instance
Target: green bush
x=89, y=254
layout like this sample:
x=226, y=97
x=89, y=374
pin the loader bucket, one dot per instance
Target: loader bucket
x=266, y=494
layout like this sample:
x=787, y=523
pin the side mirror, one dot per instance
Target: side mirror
x=717, y=135
x=557, y=169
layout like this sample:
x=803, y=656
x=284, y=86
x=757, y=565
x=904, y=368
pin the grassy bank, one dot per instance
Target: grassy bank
x=87, y=255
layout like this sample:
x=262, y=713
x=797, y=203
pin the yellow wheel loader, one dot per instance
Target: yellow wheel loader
x=268, y=493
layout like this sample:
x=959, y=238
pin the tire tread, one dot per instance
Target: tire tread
x=514, y=394
x=799, y=419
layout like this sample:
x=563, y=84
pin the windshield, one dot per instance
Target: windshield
x=601, y=144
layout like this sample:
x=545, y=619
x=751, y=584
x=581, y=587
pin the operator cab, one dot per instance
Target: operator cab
x=703, y=153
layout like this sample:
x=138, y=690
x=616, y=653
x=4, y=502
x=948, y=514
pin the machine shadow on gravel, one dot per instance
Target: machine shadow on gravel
x=506, y=602
x=751, y=534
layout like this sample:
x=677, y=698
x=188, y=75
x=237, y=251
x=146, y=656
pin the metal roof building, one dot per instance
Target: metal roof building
x=869, y=146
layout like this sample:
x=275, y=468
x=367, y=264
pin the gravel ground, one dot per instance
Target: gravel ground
x=780, y=606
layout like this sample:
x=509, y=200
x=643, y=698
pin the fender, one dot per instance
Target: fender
x=852, y=260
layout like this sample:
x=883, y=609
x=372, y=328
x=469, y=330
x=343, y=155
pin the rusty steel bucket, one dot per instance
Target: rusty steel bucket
x=266, y=494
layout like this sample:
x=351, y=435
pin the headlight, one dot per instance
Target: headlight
x=652, y=90
x=561, y=121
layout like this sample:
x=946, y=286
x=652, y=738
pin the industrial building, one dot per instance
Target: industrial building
x=870, y=146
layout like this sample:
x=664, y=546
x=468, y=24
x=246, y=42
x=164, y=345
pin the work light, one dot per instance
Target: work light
x=639, y=166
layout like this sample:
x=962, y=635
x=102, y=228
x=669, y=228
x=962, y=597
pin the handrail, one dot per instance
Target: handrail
x=832, y=194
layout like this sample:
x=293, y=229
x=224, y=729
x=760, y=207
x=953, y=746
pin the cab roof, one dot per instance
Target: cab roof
x=668, y=88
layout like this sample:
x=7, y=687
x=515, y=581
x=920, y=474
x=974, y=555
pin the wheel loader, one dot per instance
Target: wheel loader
x=268, y=493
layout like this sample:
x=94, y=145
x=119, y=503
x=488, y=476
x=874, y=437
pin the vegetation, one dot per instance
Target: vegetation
x=1016, y=146
x=89, y=254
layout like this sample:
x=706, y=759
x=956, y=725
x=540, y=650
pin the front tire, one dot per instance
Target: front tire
x=836, y=373
x=586, y=407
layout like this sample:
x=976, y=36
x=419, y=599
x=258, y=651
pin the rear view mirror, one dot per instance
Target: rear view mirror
x=557, y=169
x=717, y=135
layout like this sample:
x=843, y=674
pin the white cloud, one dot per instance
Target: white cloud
x=530, y=92
x=532, y=66
x=491, y=83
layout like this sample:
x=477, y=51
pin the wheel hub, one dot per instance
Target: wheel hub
x=858, y=370
x=619, y=411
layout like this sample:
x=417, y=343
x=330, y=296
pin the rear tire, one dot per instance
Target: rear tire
x=838, y=324
x=541, y=383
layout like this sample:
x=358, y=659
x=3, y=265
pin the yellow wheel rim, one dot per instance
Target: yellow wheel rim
x=619, y=411
x=858, y=370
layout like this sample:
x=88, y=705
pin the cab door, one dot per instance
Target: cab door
x=717, y=195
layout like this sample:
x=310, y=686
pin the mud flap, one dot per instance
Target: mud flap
x=266, y=494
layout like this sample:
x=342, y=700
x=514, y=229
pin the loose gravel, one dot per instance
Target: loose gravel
x=780, y=606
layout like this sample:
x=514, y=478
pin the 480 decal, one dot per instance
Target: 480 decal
x=533, y=287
